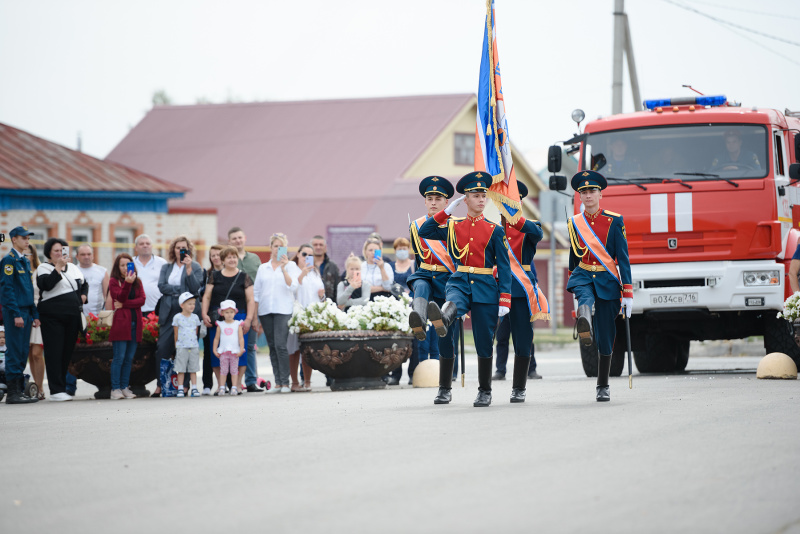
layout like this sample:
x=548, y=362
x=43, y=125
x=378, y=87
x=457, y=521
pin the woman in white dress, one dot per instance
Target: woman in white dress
x=36, y=352
x=310, y=289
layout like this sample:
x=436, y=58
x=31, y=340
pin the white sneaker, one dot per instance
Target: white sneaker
x=60, y=397
x=285, y=389
x=128, y=394
x=206, y=392
x=116, y=394
x=273, y=390
x=233, y=391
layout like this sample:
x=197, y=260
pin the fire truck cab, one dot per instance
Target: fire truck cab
x=710, y=198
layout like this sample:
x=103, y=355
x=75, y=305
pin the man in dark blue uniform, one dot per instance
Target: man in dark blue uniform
x=476, y=246
x=433, y=263
x=527, y=303
x=19, y=313
x=597, y=239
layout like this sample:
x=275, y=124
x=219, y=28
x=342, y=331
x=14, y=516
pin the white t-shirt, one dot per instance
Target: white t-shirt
x=308, y=288
x=94, y=275
x=149, y=274
x=71, y=280
x=175, y=275
x=228, y=336
x=371, y=275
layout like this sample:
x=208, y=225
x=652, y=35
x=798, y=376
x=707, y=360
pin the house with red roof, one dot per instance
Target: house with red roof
x=59, y=192
x=339, y=168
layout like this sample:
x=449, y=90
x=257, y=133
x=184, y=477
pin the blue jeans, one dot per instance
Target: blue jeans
x=123, y=359
x=251, y=373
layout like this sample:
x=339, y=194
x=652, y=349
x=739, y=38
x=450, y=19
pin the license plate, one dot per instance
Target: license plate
x=674, y=299
x=754, y=301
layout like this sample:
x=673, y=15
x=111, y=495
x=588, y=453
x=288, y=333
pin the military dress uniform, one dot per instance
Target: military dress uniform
x=16, y=293
x=433, y=263
x=522, y=239
x=476, y=246
x=591, y=282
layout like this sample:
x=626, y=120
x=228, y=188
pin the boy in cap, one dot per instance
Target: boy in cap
x=187, y=353
x=476, y=246
x=598, y=238
x=19, y=313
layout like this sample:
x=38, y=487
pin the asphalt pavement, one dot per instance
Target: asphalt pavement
x=712, y=450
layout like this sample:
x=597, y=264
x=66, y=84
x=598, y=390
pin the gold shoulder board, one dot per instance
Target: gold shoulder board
x=612, y=213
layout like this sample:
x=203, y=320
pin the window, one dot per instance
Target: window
x=123, y=237
x=38, y=238
x=778, y=154
x=465, y=149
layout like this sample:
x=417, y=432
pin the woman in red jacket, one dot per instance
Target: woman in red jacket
x=128, y=296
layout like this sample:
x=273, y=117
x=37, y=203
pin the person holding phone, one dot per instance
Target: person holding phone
x=179, y=275
x=310, y=289
x=127, y=295
x=63, y=291
x=275, y=286
x=375, y=272
x=351, y=291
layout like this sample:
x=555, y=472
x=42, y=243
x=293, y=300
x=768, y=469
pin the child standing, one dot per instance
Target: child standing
x=187, y=352
x=2, y=349
x=229, y=344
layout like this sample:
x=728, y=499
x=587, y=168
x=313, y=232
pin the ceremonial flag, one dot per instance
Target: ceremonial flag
x=492, y=144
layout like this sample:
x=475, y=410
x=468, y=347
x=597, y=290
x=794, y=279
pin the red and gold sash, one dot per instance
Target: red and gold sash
x=436, y=247
x=537, y=303
x=595, y=246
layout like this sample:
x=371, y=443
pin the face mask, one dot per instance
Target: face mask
x=402, y=254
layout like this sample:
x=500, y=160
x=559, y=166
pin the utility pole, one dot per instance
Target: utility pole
x=623, y=44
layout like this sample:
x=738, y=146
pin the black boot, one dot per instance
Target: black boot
x=584, y=325
x=442, y=318
x=520, y=378
x=16, y=392
x=484, y=397
x=418, y=318
x=445, y=381
x=603, y=370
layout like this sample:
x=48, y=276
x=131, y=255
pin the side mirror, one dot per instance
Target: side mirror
x=794, y=171
x=558, y=183
x=554, y=159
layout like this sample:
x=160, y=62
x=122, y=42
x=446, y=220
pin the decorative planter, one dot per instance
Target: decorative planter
x=355, y=359
x=92, y=364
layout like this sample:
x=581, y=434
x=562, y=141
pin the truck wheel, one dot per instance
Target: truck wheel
x=682, y=356
x=779, y=337
x=589, y=359
x=660, y=354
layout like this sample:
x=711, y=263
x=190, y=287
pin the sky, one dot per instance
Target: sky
x=92, y=66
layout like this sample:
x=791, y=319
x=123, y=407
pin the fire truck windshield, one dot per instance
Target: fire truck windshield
x=689, y=152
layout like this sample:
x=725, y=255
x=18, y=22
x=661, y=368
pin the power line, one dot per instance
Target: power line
x=762, y=45
x=752, y=11
x=731, y=24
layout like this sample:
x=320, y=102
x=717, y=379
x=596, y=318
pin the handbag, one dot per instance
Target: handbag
x=214, y=314
x=169, y=378
x=84, y=322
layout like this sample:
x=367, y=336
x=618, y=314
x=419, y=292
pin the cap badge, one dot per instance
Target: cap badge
x=434, y=179
x=479, y=175
x=434, y=188
x=480, y=184
x=585, y=174
x=586, y=182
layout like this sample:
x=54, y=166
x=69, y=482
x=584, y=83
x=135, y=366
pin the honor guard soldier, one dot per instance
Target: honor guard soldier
x=598, y=238
x=433, y=264
x=476, y=247
x=528, y=303
x=19, y=313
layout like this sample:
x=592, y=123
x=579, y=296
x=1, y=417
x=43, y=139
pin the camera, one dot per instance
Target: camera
x=184, y=252
x=2, y=237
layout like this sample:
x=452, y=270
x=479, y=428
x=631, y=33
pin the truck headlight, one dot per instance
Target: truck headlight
x=761, y=278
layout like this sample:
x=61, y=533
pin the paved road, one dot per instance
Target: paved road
x=702, y=452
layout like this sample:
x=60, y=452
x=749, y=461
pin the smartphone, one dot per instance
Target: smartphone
x=309, y=261
x=131, y=267
x=356, y=277
x=378, y=253
x=65, y=252
x=184, y=252
x=282, y=251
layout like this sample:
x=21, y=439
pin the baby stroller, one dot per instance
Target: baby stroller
x=30, y=388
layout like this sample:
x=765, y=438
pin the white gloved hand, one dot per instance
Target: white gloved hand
x=503, y=311
x=627, y=304
x=454, y=204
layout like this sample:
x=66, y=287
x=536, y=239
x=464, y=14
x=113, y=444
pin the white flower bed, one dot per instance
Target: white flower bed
x=384, y=313
x=791, y=308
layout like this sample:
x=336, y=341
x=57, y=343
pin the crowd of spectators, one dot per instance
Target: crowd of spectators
x=262, y=296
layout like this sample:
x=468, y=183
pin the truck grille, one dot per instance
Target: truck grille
x=681, y=282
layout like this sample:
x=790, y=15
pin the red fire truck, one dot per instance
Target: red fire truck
x=710, y=197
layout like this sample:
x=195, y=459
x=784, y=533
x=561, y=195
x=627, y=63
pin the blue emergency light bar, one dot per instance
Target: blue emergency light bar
x=712, y=101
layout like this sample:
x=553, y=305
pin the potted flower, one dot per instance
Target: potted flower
x=791, y=312
x=91, y=359
x=355, y=348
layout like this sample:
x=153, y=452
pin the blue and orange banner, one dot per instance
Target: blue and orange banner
x=595, y=245
x=492, y=143
x=537, y=303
